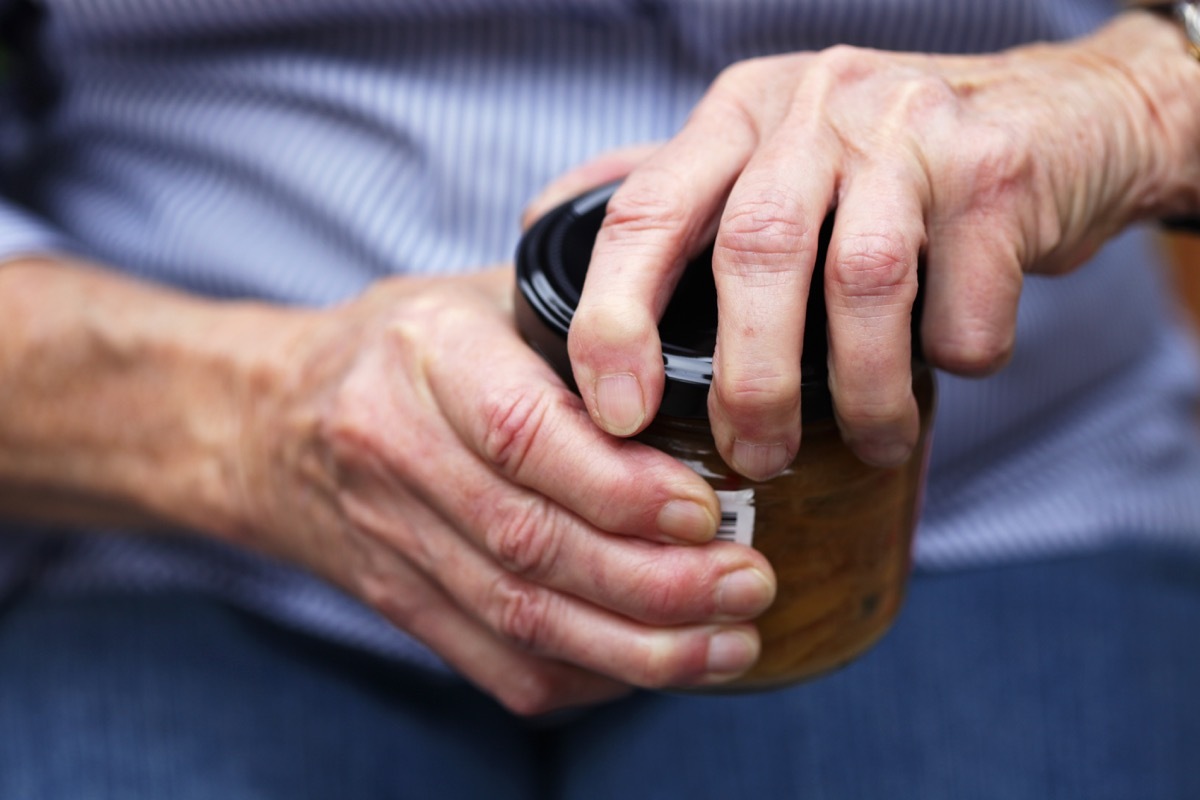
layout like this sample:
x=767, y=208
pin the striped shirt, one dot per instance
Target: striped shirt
x=299, y=151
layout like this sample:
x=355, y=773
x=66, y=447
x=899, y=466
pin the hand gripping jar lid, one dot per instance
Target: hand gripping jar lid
x=837, y=531
x=552, y=262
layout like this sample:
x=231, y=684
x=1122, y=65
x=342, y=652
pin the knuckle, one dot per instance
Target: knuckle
x=864, y=414
x=972, y=350
x=522, y=613
x=646, y=203
x=736, y=77
x=379, y=592
x=350, y=430
x=872, y=266
x=998, y=167
x=922, y=94
x=530, y=694
x=669, y=660
x=344, y=424
x=748, y=97
x=846, y=63
x=764, y=236
x=661, y=594
x=733, y=95
x=747, y=394
x=523, y=541
x=349, y=424
x=424, y=313
x=351, y=421
x=994, y=154
x=515, y=423
x=599, y=328
x=657, y=672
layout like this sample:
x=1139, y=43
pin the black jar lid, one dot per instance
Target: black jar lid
x=552, y=260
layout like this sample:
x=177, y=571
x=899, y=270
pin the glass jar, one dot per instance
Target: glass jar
x=837, y=532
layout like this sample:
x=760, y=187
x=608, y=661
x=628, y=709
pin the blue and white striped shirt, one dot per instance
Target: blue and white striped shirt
x=298, y=151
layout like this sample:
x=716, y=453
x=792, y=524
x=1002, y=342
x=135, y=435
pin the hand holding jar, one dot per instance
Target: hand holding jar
x=982, y=167
x=410, y=448
x=836, y=531
x=825, y=179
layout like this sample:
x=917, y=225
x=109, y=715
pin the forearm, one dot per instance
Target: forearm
x=123, y=402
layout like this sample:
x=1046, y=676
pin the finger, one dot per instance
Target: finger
x=657, y=218
x=605, y=168
x=657, y=584
x=532, y=617
x=565, y=628
x=762, y=265
x=539, y=541
x=523, y=682
x=971, y=297
x=870, y=287
x=554, y=535
x=516, y=415
x=522, y=529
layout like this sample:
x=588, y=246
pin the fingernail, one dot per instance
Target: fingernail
x=687, y=520
x=759, y=461
x=619, y=403
x=731, y=653
x=744, y=593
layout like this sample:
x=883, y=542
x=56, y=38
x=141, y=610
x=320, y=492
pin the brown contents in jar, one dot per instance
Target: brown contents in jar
x=837, y=532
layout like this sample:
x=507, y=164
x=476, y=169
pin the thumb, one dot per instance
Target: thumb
x=604, y=168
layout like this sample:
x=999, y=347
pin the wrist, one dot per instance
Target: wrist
x=235, y=361
x=1148, y=58
x=280, y=478
x=125, y=402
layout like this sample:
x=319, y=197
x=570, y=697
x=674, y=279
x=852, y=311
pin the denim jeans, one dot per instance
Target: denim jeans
x=1075, y=678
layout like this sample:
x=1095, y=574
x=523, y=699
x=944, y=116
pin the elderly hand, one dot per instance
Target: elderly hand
x=981, y=168
x=410, y=447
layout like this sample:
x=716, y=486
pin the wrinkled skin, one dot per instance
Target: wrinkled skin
x=982, y=168
x=410, y=448
x=473, y=501
x=424, y=458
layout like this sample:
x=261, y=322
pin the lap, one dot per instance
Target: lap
x=1066, y=679
x=177, y=696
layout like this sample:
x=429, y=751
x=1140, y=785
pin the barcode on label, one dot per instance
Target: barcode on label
x=737, y=517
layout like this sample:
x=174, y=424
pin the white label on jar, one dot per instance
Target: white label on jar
x=737, y=517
